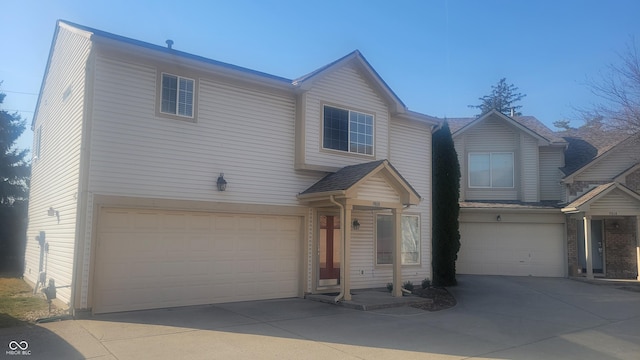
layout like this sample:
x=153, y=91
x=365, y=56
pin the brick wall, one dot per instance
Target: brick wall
x=572, y=246
x=580, y=187
x=633, y=180
x=620, y=248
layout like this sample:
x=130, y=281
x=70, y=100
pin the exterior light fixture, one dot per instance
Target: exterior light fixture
x=355, y=225
x=498, y=218
x=54, y=212
x=221, y=183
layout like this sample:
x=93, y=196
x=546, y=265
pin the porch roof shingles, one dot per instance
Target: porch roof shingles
x=343, y=179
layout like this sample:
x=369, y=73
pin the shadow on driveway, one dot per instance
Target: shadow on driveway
x=496, y=317
x=28, y=341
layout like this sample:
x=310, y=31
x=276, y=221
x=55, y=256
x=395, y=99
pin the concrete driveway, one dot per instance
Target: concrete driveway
x=496, y=318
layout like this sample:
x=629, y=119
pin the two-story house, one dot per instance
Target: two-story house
x=162, y=178
x=602, y=189
x=526, y=194
x=510, y=191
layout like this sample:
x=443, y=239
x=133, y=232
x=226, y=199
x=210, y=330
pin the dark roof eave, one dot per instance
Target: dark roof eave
x=510, y=205
x=174, y=52
x=317, y=195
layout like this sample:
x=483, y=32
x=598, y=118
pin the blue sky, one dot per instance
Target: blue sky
x=438, y=56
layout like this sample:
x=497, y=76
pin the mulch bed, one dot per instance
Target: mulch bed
x=442, y=299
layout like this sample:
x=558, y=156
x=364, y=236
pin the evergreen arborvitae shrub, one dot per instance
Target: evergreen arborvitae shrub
x=446, y=193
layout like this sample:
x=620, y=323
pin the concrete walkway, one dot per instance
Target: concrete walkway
x=496, y=318
x=371, y=299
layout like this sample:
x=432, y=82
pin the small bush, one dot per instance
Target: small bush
x=408, y=285
x=390, y=287
x=426, y=283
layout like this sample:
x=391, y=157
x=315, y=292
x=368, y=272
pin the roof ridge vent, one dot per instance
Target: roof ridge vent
x=169, y=43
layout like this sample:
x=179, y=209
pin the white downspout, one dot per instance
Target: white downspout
x=342, y=242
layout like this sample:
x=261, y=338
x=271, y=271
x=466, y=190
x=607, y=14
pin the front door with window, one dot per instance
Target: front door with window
x=597, y=246
x=329, y=244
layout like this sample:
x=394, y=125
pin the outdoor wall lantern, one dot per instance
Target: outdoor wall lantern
x=355, y=225
x=222, y=183
x=498, y=218
x=54, y=212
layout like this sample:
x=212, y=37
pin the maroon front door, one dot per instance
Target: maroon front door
x=329, y=250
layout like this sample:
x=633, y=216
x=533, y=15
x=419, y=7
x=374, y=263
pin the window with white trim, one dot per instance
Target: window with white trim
x=347, y=130
x=410, y=239
x=177, y=95
x=491, y=170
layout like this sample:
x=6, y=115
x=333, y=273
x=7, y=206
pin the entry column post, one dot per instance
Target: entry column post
x=397, y=252
x=346, y=267
x=587, y=245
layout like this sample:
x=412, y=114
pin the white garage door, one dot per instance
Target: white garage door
x=151, y=259
x=511, y=249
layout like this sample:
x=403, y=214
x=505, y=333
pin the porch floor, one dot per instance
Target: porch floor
x=623, y=284
x=371, y=299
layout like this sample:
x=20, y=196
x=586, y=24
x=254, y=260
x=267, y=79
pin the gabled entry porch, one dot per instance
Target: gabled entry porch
x=374, y=187
x=603, y=232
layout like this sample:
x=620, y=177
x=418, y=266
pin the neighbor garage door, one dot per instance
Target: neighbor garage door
x=150, y=259
x=511, y=249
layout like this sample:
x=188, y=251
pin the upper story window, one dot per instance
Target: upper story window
x=410, y=239
x=347, y=130
x=491, y=170
x=177, y=95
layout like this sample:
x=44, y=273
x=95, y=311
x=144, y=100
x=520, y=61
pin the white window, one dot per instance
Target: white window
x=177, y=95
x=347, y=130
x=410, y=239
x=491, y=170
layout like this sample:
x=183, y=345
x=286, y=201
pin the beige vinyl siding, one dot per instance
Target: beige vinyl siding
x=363, y=256
x=55, y=174
x=614, y=163
x=491, y=136
x=529, y=163
x=411, y=156
x=551, y=160
x=246, y=134
x=345, y=88
x=616, y=203
x=376, y=188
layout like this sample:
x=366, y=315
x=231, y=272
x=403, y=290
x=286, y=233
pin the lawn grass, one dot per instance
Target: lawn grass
x=17, y=302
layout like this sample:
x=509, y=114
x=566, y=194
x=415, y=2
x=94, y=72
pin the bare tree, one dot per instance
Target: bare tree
x=619, y=89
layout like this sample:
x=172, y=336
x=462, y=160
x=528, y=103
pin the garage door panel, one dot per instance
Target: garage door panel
x=150, y=259
x=511, y=249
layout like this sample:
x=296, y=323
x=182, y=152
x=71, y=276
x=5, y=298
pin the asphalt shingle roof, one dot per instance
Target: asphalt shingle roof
x=344, y=178
x=530, y=122
x=586, y=144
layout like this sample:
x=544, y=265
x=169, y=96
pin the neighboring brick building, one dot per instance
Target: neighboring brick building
x=602, y=183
